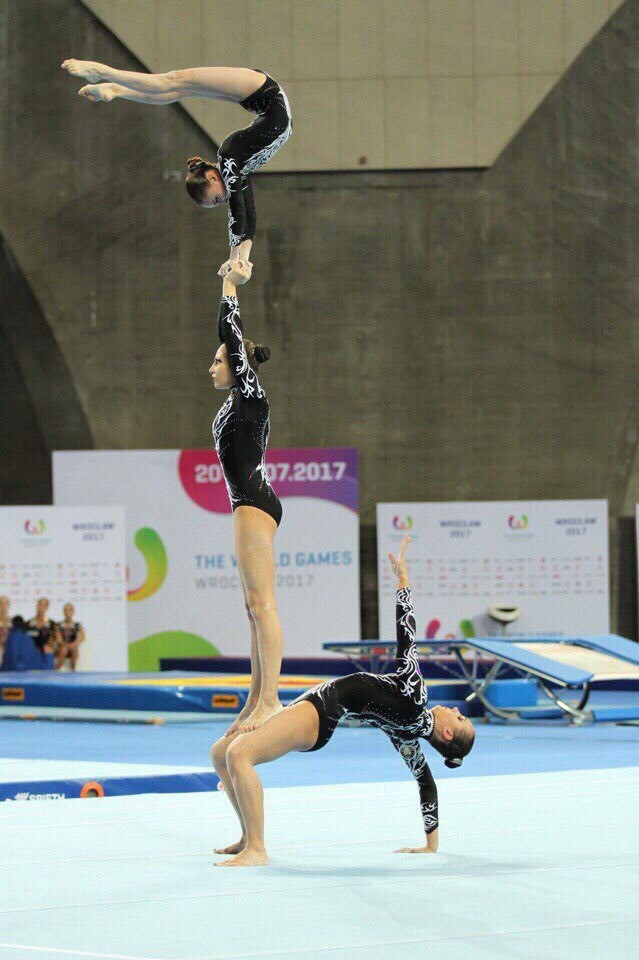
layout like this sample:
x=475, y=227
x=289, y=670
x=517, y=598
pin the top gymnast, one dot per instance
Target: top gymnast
x=241, y=153
x=395, y=704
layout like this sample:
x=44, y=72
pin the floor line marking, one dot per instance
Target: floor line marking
x=404, y=942
x=78, y=953
x=409, y=877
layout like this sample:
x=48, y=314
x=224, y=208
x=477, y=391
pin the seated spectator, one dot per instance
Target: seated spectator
x=5, y=623
x=41, y=628
x=22, y=653
x=71, y=636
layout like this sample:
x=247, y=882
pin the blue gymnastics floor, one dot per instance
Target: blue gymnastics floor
x=539, y=851
x=531, y=867
x=354, y=754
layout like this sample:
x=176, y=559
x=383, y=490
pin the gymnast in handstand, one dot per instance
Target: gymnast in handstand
x=241, y=153
x=394, y=703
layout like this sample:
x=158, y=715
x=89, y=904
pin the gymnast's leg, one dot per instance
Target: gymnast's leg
x=295, y=728
x=217, y=83
x=256, y=675
x=254, y=535
x=218, y=756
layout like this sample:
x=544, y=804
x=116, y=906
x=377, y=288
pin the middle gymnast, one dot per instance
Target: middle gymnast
x=241, y=431
x=395, y=704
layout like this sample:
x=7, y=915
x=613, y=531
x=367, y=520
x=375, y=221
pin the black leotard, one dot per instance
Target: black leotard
x=244, y=151
x=395, y=703
x=241, y=427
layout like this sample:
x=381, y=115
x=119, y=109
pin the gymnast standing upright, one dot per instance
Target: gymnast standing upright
x=241, y=153
x=241, y=431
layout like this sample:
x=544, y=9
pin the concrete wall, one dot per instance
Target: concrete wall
x=373, y=83
x=474, y=334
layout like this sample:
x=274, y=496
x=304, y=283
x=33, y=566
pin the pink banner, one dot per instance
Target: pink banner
x=324, y=473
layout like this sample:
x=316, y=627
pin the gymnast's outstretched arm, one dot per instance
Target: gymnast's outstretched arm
x=406, y=657
x=217, y=83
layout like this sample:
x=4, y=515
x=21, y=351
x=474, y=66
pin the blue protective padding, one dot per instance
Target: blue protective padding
x=304, y=666
x=512, y=693
x=102, y=691
x=506, y=650
x=611, y=643
x=106, y=691
x=616, y=713
x=67, y=789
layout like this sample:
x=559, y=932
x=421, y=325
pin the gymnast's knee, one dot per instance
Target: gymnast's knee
x=218, y=753
x=258, y=604
x=237, y=756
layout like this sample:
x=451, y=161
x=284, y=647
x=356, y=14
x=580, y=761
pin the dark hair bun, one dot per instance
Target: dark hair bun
x=453, y=762
x=262, y=354
x=194, y=162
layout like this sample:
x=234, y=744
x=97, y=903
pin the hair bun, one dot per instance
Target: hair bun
x=194, y=162
x=262, y=354
x=453, y=762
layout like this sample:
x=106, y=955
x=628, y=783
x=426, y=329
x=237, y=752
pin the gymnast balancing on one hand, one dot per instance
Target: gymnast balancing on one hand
x=240, y=431
x=395, y=703
x=241, y=153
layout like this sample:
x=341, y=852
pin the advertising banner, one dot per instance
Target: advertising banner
x=549, y=558
x=70, y=555
x=185, y=595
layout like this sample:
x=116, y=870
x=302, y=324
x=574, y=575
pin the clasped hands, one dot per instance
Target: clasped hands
x=238, y=271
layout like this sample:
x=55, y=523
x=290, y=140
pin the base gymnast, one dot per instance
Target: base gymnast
x=395, y=703
x=241, y=432
x=241, y=153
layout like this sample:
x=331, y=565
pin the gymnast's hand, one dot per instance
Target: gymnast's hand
x=88, y=69
x=240, y=272
x=228, y=265
x=398, y=563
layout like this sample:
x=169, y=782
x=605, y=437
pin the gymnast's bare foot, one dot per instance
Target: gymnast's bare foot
x=98, y=92
x=88, y=69
x=249, y=857
x=262, y=713
x=242, y=717
x=233, y=848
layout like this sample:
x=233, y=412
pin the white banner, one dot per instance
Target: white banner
x=184, y=589
x=549, y=558
x=70, y=555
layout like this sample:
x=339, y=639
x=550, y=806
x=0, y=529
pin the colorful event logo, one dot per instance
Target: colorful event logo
x=517, y=523
x=152, y=549
x=34, y=528
x=404, y=524
x=467, y=631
